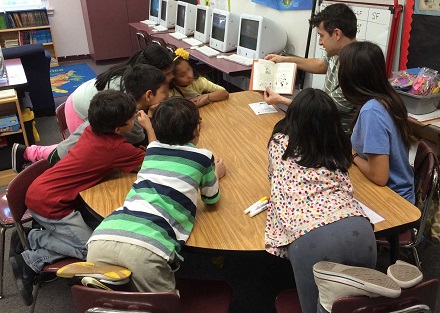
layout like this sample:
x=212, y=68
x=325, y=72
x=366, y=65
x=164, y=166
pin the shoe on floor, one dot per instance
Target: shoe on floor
x=16, y=248
x=24, y=278
x=335, y=281
x=105, y=272
x=404, y=274
x=17, y=156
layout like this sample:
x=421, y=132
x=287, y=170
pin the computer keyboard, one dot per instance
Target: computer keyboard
x=160, y=28
x=239, y=59
x=208, y=51
x=177, y=35
x=192, y=41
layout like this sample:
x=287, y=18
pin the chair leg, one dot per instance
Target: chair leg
x=34, y=296
x=2, y=258
x=416, y=258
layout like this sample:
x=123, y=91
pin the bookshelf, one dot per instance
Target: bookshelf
x=24, y=27
x=9, y=105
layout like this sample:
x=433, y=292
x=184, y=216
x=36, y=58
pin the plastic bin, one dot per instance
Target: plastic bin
x=419, y=104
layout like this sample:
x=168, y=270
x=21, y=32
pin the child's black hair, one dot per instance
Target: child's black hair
x=177, y=61
x=316, y=138
x=175, y=120
x=110, y=109
x=137, y=80
x=154, y=55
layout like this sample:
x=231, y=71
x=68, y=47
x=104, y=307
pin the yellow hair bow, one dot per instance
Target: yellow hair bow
x=181, y=53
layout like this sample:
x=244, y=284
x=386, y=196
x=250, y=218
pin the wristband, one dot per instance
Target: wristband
x=354, y=156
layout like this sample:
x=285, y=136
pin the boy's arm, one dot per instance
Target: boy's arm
x=145, y=122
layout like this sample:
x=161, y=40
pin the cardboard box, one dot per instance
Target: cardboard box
x=9, y=123
x=419, y=104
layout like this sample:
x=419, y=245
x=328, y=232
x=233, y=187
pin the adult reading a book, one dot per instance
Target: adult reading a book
x=337, y=27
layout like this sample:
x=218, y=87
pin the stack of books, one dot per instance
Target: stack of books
x=9, y=43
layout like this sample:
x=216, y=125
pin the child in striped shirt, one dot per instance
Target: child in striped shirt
x=147, y=233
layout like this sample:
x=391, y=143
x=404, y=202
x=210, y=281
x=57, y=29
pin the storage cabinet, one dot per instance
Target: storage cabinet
x=19, y=28
x=106, y=22
x=8, y=106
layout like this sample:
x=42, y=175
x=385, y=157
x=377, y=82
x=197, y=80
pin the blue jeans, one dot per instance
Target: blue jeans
x=348, y=241
x=62, y=238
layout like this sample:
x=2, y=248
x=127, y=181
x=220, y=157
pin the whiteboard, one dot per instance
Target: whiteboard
x=373, y=24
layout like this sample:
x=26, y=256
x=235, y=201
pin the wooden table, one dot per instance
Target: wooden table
x=235, y=133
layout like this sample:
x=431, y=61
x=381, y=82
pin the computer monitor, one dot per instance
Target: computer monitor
x=203, y=23
x=259, y=36
x=154, y=11
x=224, y=30
x=168, y=13
x=185, y=18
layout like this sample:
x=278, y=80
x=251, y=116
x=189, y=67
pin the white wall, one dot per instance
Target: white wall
x=68, y=28
x=70, y=36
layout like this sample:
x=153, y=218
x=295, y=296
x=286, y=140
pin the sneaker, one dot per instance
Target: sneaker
x=335, y=281
x=15, y=247
x=101, y=272
x=94, y=283
x=24, y=278
x=404, y=274
x=17, y=156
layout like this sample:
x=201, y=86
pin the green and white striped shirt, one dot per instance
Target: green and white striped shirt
x=159, y=210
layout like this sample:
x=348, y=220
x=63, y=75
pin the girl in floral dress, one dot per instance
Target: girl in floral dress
x=312, y=214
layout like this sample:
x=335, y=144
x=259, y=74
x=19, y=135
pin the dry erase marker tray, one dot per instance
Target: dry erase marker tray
x=419, y=104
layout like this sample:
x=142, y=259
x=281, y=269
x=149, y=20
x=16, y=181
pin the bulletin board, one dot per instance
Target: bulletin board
x=421, y=35
x=376, y=23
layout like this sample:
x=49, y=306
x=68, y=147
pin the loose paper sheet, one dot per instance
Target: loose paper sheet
x=262, y=108
x=373, y=216
x=425, y=117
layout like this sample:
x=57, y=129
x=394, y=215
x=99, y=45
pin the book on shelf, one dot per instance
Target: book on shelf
x=279, y=77
x=3, y=21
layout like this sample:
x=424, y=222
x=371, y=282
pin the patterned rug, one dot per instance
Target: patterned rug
x=65, y=79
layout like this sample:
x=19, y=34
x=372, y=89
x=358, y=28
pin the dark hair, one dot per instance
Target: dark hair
x=362, y=76
x=140, y=78
x=154, y=55
x=315, y=132
x=110, y=109
x=334, y=16
x=175, y=120
x=177, y=61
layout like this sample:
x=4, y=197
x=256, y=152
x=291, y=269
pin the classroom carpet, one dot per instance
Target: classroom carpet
x=65, y=79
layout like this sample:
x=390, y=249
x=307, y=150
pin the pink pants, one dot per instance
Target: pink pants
x=35, y=153
x=73, y=120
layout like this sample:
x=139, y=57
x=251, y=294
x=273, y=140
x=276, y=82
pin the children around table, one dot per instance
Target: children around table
x=52, y=197
x=312, y=213
x=145, y=83
x=147, y=233
x=188, y=84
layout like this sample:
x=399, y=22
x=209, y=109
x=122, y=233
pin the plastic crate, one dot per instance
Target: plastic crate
x=419, y=104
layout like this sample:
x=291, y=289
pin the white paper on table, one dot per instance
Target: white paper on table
x=148, y=22
x=262, y=108
x=373, y=216
x=425, y=117
x=436, y=124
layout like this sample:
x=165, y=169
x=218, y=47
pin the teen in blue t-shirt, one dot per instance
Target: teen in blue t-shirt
x=381, y=135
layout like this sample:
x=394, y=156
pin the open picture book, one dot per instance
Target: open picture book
x=279, y=77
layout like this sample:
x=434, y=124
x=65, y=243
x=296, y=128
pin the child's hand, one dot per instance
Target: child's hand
x=220, y=169
x=201, y=100
x=271, y=97
x=144, y=120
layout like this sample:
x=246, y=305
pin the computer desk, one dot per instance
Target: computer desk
x=222, y=65
x=232, y=131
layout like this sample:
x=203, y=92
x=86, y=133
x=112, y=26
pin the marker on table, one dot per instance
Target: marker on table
x=259, y=210
x=255, y=205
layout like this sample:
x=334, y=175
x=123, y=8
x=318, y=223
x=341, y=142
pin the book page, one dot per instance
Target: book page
x=284, y=80
x=263, y=74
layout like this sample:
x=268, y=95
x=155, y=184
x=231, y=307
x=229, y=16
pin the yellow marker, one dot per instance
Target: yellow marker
x=255, y=205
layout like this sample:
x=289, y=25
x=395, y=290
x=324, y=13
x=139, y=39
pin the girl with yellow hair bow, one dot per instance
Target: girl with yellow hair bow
x=190, y=85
